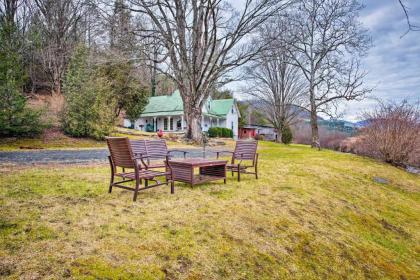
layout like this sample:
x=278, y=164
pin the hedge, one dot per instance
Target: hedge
x=220, y=132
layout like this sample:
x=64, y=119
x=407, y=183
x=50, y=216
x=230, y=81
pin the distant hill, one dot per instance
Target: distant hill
x=339, y=125
x=361, y=124
x=305, y=115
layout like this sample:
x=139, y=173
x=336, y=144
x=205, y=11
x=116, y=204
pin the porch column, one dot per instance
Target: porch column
x=217, y=122
x=155, y=124
x=169, y=124
x=182, y=122
x=211, y=122
x=202, y=123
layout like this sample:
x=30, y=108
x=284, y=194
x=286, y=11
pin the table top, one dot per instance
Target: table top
x=198, y=161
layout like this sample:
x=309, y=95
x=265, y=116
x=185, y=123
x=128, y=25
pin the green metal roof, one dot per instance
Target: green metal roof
x=221, y=107
x=164, y=105
x=171, y=105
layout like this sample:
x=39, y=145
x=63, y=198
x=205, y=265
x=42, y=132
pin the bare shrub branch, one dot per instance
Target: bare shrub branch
x=393, y=133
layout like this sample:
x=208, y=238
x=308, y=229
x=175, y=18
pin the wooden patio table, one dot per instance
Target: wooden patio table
x=209, y=170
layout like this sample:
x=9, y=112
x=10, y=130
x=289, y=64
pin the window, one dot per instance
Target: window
x=178, y=124
x=232, y=111
x=232, y=125
x=171, y=124
x=165, y=124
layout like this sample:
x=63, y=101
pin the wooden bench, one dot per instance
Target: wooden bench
x=123, y=156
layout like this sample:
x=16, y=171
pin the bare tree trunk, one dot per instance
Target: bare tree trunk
x=193, y=127
x=56, y=83
x=154, y=71
x=193, y=118
x=279, y=135
x=314, y=126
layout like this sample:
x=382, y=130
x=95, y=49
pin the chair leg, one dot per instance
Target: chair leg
x=256, y=172
x=136, y=191
x=111, y=182
x=239, y=175
x=172, y=187
x=146, y=182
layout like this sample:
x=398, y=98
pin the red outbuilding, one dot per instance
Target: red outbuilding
x=247, y=132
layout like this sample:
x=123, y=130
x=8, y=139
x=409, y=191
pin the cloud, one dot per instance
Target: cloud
x=393, y=63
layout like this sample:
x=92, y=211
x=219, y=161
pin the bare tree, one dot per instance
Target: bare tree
x=57, y=21
x=8, y=10
x=203, y=42
x=15, y=12
x=327, y=43
x=411, y=26
x=274, y=82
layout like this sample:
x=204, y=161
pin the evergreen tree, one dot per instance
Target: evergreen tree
x=135, y=102
x=87, y=110
x=286, y=135
x=122, y=37
x=120, y=70
x=16, y=119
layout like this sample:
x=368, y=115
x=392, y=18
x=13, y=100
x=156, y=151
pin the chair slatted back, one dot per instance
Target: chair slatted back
x=245, y=150
x=138, y=147
x=156, y=149
x=120, y=150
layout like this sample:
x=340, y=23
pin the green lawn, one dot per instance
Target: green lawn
x=311, y=215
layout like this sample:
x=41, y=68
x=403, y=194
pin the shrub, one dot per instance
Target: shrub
x=220, y=132
x=213, y=132
x=392, y=133
x=259, y=137
x=286, y=135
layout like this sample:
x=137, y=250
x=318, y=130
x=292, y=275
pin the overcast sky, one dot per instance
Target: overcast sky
x=393, y=63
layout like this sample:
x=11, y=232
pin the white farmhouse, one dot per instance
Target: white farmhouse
x=167, y=113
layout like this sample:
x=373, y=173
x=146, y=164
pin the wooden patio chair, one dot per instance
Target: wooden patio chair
x=122, y=156
x=156, y=151
x=245, y=150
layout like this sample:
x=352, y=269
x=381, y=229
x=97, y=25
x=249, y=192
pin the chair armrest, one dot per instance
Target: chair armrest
x=242, y=154
x=141, y=157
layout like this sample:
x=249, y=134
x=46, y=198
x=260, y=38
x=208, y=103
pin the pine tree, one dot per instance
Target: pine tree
x=88, y=108
x=120, y=70
x=16, y=119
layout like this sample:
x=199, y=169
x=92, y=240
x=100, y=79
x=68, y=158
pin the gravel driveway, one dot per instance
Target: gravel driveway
x=73, y=156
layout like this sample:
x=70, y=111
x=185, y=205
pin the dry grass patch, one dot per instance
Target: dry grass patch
x=311, y=215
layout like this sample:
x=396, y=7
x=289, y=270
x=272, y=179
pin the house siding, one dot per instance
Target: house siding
x=232, y=120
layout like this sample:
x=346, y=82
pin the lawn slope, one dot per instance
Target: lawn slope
x=311, y=215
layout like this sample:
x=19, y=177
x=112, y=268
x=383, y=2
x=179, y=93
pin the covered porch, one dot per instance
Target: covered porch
x=175, y=123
